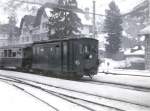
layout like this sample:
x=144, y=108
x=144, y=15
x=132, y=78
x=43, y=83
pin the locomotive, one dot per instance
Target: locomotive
x=68, y=57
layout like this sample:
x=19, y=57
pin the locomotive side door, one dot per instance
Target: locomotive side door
x=64, y=56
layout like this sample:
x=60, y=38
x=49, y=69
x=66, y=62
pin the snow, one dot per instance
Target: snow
x=133, y=96
x=84, y=21
x=47, y=11
x=13, y=99
x=56, y=102
x=111, y=64
x=146, y=30
x=138, y=52
x=102, y=40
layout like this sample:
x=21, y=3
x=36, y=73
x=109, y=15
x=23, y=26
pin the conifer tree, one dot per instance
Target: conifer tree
x=113, y=29
x=63, y=22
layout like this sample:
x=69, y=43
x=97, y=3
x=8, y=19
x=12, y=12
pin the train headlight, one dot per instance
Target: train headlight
x=77, y=62
x=90, y=56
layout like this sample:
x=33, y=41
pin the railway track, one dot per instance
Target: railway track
x=121, y=74
x=86, y=104
x=89, y=99
x=25, y=91
x=119, y=85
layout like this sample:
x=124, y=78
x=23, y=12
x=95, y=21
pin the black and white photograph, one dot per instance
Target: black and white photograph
x=75, y=55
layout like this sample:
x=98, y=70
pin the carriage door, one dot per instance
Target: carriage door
x=64, y=57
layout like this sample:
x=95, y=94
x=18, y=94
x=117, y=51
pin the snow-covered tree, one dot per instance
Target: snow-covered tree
x=113, y=29
x=63, y=21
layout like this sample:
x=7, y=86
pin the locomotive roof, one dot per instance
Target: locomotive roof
x=64, y=39
x=41, y=42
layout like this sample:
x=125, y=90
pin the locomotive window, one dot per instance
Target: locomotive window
x=86, y=49
x=51, y=49
x=65, y=48
x=57, y=50
x=1, y=53
x=38, y=50
x=80, y=49
x=42, y=49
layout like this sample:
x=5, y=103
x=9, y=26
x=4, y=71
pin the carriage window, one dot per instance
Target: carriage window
x=14, y=54
x=19, y=52
x=9, y=53
x=5, y=53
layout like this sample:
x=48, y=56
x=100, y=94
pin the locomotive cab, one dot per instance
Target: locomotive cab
x=86, y=56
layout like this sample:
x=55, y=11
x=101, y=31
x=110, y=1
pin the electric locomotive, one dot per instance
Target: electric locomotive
x=69, y=57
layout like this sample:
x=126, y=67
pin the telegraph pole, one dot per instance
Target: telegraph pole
x=94, y=19
x=148, y=12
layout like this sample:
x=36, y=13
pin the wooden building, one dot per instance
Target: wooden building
x=146, y=33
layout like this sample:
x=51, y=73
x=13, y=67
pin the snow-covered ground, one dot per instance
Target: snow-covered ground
x=109, y=64
x=104, y=91
x=12, y=99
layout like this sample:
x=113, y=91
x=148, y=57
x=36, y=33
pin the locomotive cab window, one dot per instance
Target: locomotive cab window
x=81, y=48
x=86, y=49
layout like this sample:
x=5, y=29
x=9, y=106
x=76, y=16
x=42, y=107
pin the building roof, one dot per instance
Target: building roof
x=42, y=11
x=8, y=29
x=38, y=17
x=145, y=31
x=27, y=20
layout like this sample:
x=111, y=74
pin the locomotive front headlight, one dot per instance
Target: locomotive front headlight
x=77, y=62
x=90, y=56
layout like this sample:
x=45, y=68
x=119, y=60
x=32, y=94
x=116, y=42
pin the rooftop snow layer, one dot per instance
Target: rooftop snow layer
x=146, y=30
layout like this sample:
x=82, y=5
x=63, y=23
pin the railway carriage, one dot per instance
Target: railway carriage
x=74, y=57
x=15, y=56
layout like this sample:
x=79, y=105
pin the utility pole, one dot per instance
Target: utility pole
x=148, y=12
x=94, y=19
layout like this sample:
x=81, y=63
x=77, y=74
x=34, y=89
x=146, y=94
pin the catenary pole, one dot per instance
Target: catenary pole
x=93, y=18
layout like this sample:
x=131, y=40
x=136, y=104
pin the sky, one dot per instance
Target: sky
x=124, y=5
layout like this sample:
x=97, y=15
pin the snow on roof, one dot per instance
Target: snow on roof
x=84, y=21
x=47, y=11
x=146, y=30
